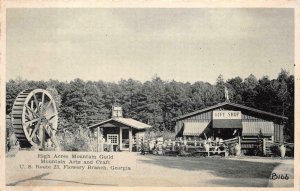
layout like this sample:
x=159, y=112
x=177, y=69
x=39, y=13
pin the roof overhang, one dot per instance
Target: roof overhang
x=233, y=105
x=194, y=128
x=123, y=121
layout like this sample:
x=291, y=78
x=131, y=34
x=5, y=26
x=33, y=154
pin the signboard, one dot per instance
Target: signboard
x=117, y=111
x=226, y=114
x=227, y=119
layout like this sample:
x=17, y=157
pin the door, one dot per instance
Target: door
x=124, y=138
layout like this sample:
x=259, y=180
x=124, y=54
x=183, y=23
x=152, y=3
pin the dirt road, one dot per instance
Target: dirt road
x=161, y=171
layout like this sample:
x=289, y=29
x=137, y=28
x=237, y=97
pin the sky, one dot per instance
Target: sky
x=185, y=45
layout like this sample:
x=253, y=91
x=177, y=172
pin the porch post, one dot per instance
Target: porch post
x=264, y=146
x=120, y=138
x=98, y=139
x=101, y=139
x=130, y=139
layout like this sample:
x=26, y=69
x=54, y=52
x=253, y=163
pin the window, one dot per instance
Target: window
x=113, y=139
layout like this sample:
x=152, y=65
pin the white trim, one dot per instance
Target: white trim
x=116, y=135
x=121, y=134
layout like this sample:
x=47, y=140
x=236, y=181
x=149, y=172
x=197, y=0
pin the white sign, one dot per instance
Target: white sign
x=225, y=114
x=117, y=111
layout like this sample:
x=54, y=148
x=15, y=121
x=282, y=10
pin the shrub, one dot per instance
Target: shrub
x=231, y=149
x=78, y=140
x=155, y=134
x=275, y=150
x=290, y=150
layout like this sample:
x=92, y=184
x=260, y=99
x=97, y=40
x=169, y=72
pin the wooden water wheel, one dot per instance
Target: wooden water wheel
x=35, y=118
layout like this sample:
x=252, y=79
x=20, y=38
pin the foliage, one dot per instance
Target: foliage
x=157, y=102
x=290, y=150
x=9, y=127
x=275, y=149
x=78, y=140
x=150, y=135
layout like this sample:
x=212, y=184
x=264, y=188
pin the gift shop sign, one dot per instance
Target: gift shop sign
x=225, y=114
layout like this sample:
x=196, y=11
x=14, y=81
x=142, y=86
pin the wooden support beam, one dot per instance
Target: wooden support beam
x=120, y=139
x=101, y=137
x=130, y=139
x=41, y=135
x=98, y=139
x=264, y=147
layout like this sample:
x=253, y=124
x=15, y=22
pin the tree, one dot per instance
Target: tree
x=157, y=102
x=235, y=89
x=57, y=98
x=75, y=104
x=249, y=92
x=220, y=85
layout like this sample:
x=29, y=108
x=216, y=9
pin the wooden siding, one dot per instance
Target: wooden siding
x=246, y=116
x=278, y=134
x=253, y=128
x=202, y=117
x=234, y=106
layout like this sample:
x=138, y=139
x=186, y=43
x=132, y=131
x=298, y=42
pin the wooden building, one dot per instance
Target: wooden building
x=118, y=131
x=228, y=120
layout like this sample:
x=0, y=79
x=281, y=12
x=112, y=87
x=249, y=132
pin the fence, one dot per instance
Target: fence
x=186, y=147
x=269, y=146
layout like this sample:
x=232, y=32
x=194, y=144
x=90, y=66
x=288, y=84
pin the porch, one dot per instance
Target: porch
x=119, y=134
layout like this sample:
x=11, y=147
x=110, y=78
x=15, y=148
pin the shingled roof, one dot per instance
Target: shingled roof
x=125, y=121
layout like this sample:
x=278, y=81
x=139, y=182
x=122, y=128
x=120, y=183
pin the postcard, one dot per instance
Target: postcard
x=149, y=95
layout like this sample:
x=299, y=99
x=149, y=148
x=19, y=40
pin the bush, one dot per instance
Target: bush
x=231, y=149
x=275, y=150
x=289, y=150
x=248, y=152
x=155, y=134
x=78, y=140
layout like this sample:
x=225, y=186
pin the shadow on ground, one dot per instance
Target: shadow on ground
x=234, y=172
x=41, y=177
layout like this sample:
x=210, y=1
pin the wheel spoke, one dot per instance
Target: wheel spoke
x=41, y=136
x=52, y=116
x=36, y=102
x=38, y=116
x=29, y=131
x=31, y=121
x=35, y=129
x=42, y=104
x=29, y=116
x=31, y=110
x=43, y=98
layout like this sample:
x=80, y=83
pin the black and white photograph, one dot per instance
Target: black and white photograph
x=149, y=97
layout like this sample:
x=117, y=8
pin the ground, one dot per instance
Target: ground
x=153, y=170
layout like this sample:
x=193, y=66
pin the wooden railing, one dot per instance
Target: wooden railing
x=269, y=144
x=201, y=142
x=219, y=147
x=232, y=141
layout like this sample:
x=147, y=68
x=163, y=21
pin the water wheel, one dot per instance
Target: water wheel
x=35, y=118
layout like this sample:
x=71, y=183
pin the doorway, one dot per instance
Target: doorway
x=227, y=133
x=124, y=138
